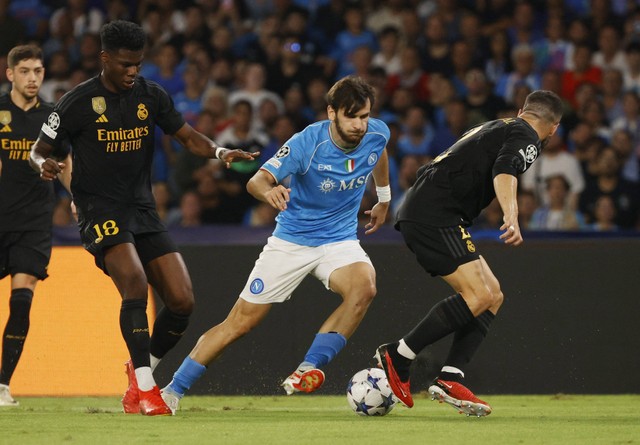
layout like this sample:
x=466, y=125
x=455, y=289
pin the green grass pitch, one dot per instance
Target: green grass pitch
x=319, y=419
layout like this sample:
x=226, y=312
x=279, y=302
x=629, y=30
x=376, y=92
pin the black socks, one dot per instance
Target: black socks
x=168, y=329
x=135, y=330
x=15, y=332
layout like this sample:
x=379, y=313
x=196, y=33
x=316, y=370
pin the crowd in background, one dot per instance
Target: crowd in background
x=249, y=74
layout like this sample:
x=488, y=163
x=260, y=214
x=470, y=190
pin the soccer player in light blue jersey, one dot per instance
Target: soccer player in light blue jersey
x=327, y=166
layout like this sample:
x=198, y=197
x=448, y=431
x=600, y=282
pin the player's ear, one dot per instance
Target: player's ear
x=9, y=74
x=331, y=113
x=104, y=56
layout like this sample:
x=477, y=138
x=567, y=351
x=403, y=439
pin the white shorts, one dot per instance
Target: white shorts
x=282, y=266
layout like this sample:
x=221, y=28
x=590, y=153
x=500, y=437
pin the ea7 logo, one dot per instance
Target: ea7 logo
x=324, y=167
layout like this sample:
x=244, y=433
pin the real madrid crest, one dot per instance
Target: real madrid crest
x=98, y=104
x=5, y=117
x=142, y=113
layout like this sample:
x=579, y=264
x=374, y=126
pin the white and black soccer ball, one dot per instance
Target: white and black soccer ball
x=369, y=393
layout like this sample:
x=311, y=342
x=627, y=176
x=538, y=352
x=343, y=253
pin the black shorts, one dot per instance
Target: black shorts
x=25, y=252
x=140, y=227
x=439, y=250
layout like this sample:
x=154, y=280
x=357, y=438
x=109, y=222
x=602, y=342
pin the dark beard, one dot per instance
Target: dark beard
x=351, y=141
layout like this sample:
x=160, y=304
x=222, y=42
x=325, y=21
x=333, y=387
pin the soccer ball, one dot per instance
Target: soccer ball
x=369, y=393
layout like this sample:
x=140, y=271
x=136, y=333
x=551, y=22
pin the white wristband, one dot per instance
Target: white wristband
x=384, y=193
x=218, y=151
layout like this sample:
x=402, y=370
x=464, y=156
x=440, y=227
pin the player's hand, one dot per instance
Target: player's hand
x=377, y=217
x=50, y=168
x=228, y=156
x=278, y=197
x=511, y=235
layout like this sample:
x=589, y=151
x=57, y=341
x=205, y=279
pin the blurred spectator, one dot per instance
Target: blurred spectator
x=557, y=214
x=13, y=31
x=89, y=54
x=416, y=134
x=591, y=112
x=281, y=131
x=622, y=143
x=386, y=15
x=630, y=119
x=253, y=90
x=490, y=218
x=329, y=20
x=214, y=102
x=470, y=32
x=388, y=57
x=261, y=215
x=442, y=92
x=189, y=213
x=632, y=71
x=551, y=51
x=611, y=93
x=457, y=122
x=554, y=161
x=578, y=33
x=162, y=196
x=482, y=104
x=523, y=72
x=34, y=14
x=523, y=29
x=58, y=70
x=316, y=104
x=609, y=54
x=434, y=46
x=407, y=175
x=289, y=70
x=188, y=101
x=498, y=64
x=527, y=204
x=461, y=62
x=520, y=92
x=354, y=35
x=609, y=182
x=583, y=71
x=604, y=215
x=163, y=69
x=84, y=17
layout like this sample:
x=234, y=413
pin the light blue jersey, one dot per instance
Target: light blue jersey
x=326, y=183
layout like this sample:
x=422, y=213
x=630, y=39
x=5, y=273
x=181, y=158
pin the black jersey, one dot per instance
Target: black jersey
x=458, y=184
x=26, y=201
x=112, y=140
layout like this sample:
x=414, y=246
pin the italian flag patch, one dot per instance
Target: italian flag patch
x=350, y=165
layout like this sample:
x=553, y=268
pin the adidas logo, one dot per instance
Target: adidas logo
x=5, y=129
x=102, y=118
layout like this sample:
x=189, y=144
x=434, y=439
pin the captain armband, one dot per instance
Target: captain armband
x=384, y=193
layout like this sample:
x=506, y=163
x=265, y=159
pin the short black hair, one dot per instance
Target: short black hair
x=122, y=34
x=351, y=94
x=23, y=52
x=545, y=104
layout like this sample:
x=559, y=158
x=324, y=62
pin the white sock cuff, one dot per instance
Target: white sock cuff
x=452, y=370
x=145, y=378
x=154, y=362
x=406, y=351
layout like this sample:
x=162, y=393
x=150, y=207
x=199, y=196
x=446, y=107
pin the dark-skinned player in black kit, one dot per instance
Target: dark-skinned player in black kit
x=109, y=121
x=448, y=194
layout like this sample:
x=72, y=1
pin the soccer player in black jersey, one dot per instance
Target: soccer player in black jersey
x=110, y=121
x=26, y=203
x=448, y=194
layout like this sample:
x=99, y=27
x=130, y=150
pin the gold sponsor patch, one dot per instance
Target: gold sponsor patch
x=98, y=104
x=5, y=117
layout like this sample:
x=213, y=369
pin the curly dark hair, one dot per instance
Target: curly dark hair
x=121, y=34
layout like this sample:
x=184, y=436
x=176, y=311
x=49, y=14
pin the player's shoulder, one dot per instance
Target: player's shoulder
x=4, y=99
x=87, y=88
x=314, y=133
x=378, y=126
x=149, y=87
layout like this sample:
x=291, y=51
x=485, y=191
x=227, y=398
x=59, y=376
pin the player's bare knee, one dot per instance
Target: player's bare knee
x=182, y=304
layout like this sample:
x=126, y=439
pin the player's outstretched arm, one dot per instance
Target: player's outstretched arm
x=506, y=187
x=263, y=186
x=40, y=161
x=378, y=214
x=199, y=144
